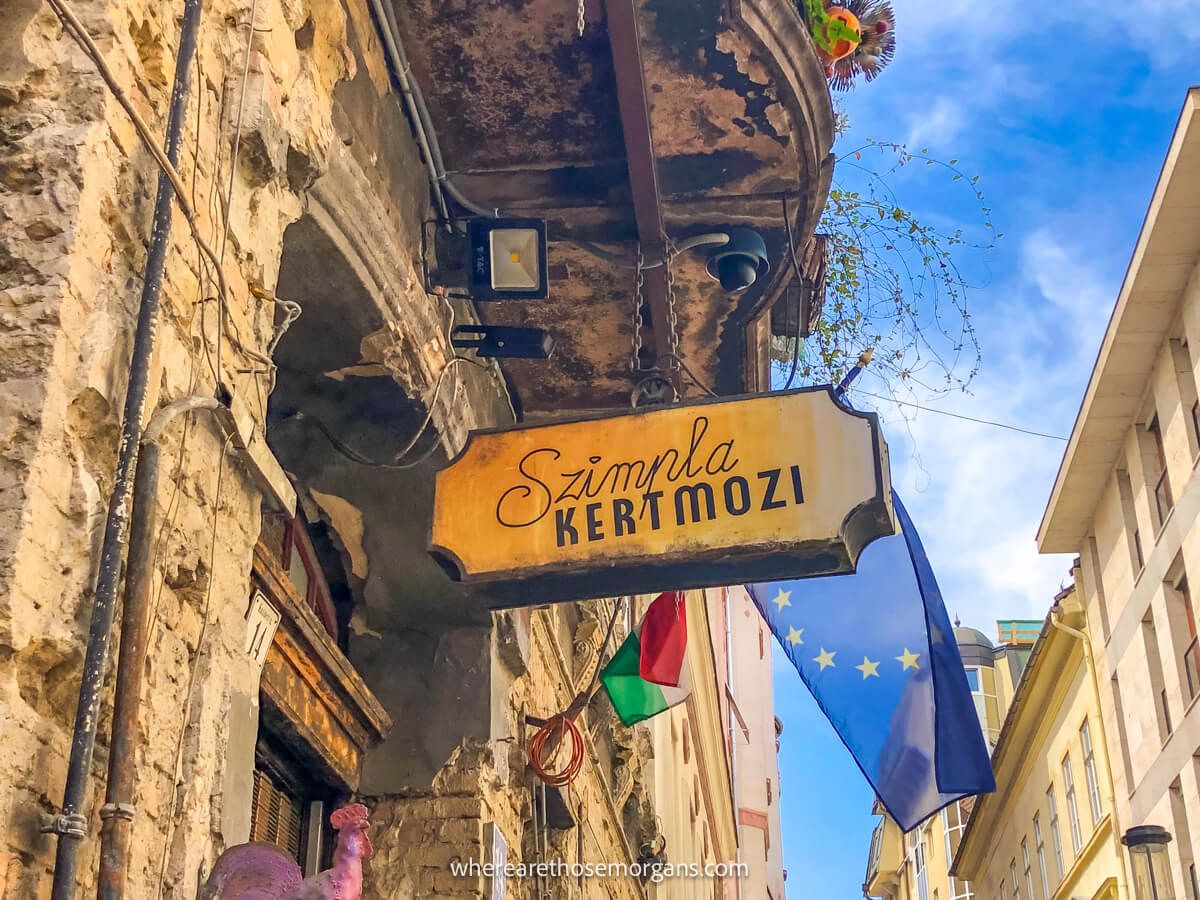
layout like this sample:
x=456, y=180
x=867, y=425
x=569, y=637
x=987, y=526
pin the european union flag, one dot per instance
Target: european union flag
x=877, y=652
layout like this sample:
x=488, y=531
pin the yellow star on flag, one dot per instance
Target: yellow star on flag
x=825, y=660
x=868, y=668
x=781, y=599
x=795, y=636
x=909, y=659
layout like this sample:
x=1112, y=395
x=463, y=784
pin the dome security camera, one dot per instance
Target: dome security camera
x=739, y=262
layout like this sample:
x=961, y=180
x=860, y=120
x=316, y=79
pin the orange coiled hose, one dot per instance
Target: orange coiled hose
x=543, y=750
x=546, y=743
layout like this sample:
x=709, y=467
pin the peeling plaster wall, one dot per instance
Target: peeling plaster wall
x=76, y=193
x=538, y=660
x=321, y=140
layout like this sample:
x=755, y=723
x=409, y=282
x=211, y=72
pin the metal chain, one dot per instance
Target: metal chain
x=581, y=23
x=635, y=360
x=672, y=318
x=655, y=388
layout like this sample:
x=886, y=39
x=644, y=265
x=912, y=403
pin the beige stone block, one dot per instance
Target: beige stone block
x=264, y=143
x=416, y=829
x=456, y=807
x=295, y=13
x=460, y=831
x=441, y=855
x=21, y=879
x=445, y=884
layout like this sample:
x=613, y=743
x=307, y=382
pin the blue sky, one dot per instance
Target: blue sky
x=1065, y=110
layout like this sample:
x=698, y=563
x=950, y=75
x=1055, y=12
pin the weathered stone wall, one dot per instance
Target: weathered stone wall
x=537, y=672
x=76, y=194
x=321, y=140
x=78, y=191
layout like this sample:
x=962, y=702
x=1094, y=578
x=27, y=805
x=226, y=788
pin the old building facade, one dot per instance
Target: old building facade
x=302, y=647
x=918, y=864
x=1125, y=501
x=1048, y=832
x=753, y=735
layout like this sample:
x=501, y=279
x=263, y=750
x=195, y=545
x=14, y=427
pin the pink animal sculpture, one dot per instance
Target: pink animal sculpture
x=259, y=871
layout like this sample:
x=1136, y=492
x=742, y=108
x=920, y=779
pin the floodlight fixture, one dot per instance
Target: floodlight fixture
x=507, y=259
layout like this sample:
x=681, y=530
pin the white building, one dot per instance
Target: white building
x=1127, y=502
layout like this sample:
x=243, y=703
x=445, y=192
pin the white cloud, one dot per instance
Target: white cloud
x=1160, y=29
x=1080, y=296
x=961, y=62
x=976, y=492
x=938, y=125
x=955, y=23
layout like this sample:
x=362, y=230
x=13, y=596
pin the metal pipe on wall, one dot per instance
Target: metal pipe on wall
x=419, y=113
x=71, y=823
x=391, y=36
x=118, y=810
x=1089, y=661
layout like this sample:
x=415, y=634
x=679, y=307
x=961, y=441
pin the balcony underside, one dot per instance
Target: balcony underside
x=527, y=115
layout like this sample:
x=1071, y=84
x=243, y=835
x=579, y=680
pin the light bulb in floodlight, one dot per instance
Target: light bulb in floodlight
x=514, y=254
x=507, y=259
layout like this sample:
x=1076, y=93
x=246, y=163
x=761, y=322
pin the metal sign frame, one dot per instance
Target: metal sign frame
x=695, y=563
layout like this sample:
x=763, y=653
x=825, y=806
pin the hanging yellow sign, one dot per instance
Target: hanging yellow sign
x=696, y=495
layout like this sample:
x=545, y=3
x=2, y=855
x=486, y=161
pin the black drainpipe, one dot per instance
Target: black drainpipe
x=71, y=824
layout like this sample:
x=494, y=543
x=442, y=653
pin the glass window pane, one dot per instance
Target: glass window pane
x=298, y=575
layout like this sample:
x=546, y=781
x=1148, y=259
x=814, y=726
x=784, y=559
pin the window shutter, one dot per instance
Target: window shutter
x=275, y=816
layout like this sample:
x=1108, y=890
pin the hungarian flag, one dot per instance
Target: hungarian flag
x=649, y=672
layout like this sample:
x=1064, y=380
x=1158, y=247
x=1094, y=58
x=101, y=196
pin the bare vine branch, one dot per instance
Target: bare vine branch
x=893, y=280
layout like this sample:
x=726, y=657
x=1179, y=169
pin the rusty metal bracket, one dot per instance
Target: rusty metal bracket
x=633, y=103
x=73, y=825
x=124, y=811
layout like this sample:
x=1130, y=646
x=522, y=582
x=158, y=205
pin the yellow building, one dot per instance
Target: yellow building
x=1127, y=502
x=1047, y=833
x=916, y=865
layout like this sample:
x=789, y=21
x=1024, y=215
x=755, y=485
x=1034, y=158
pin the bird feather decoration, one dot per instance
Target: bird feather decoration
x=878, y=44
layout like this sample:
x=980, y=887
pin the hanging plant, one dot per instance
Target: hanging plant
x=835, y=30
x=893, y=279
x=856, y=39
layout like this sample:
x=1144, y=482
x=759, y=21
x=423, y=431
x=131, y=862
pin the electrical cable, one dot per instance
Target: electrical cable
x=559, y=726
x=391, y=43
x=422, y=121
x=945, y=412
x=791, y=242
x=494, y=370
x=222, y=310
x=692, y=375
x=354, y=456
x=70, y=822
x=171, y=514
x=397, y=465
x=205, y=622
x=75, y=28
x=690, y=243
